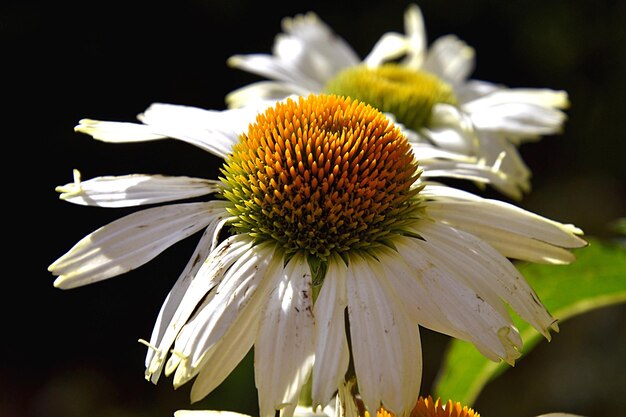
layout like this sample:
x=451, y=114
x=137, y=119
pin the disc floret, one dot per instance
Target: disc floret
x=320, y=175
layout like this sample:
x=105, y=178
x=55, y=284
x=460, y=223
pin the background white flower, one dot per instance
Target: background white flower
x=472, y=117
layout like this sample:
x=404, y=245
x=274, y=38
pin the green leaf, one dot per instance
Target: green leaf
x=596, y=279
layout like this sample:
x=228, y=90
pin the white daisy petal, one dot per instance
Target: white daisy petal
x=169, y=321
x=385, y=345
x=224, y=355
x=323, y=52
x=129, y=242
x=540, y=97
x=416, y=36
x=490, y=274
x=237, y=288
x=515, y=232
x=213, y=131
x=281, y=369
x=524, y=120
x=190, y=289
x=117, y=132
x=262, y=90
x=450, y=58
x=273, y=68
x=467, y=315
x=331, y=352
x=388, y=47
x=133, y=190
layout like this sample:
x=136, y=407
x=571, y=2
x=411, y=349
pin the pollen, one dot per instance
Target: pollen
x=319, y=175
x=408, y=95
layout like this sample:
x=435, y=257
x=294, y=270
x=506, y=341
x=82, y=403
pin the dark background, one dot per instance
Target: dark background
x=74, y=353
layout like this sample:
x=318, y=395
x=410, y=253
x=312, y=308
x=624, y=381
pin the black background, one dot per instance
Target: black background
x=75, y=352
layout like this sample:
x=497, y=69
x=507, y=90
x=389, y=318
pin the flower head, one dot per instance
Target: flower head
x=337, y=249
x=426, y=89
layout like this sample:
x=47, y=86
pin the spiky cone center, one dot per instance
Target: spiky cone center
x=408, y=95
x=427, y=407
x=321, y=175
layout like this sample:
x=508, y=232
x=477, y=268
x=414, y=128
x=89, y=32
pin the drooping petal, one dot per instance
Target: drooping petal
x=514, y=232
x=490, y=274
x=385, y=344
x=243, y=283
x=133, y=190
x=284, y=348
x=130, y=242
x=331, y=352
x=446, y=304
x=192, y=287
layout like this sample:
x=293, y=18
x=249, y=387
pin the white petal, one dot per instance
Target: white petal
x=222, y=358
x=274, y=69
x=245, y=282
x=515, y=232
x=451, y=129
x=385, y=344
x=451, y=307
x=323, y=52
x=262, y=90
x=450, y=58
x=491, y=275
x=212, y=130
x=129, y=242
x=388, y=47
x=415, y=31
x=331, y=352
x=170, y=320
x=540, y=97
x=117, y=132
x=133, y=190
x=284, y=347
x=519, y=120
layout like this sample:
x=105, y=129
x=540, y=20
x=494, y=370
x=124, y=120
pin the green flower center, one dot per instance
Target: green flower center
x=322, y=175
x=408, y=95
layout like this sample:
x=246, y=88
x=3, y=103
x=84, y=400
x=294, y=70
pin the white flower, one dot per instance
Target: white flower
x=426, y=89
x=333, y=237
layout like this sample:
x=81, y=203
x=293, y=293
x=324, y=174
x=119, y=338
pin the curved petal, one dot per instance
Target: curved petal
x=130, y=242
x=444, y=303
x=133, y=190
x=193, y=286
x=212, y=130
x=385, y=344
x=284, y=347
x=263, y=90
x=450, y=58
x=331, y=351
x=490, y=274
x=415, y=31
x=243, y=283
x=514, y=232
x=388, y=47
